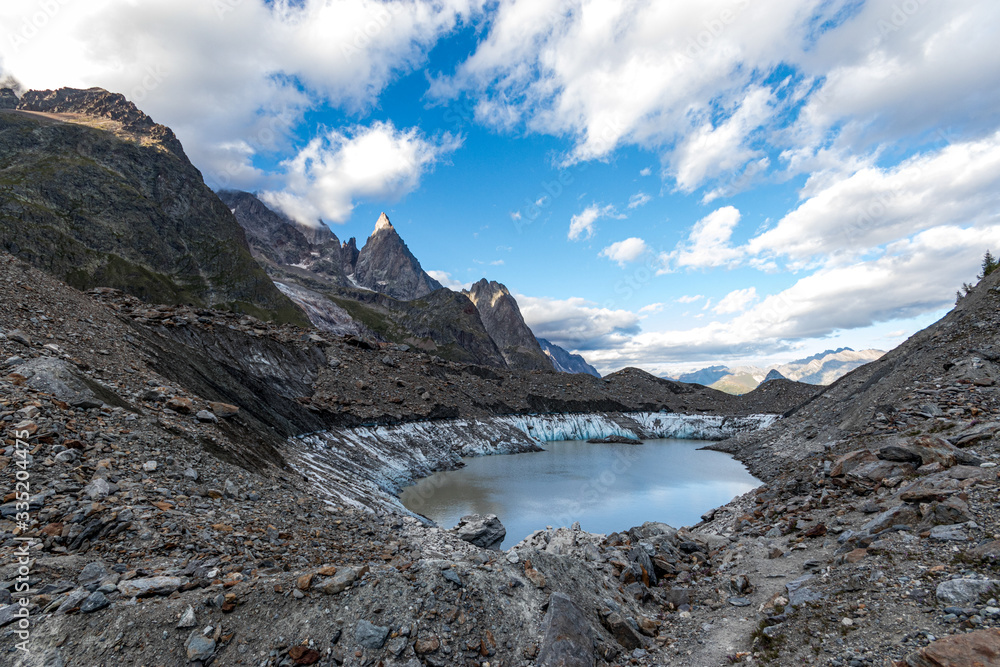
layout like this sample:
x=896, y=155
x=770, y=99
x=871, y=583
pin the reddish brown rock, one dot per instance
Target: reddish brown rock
x=223, y=410
x=180, y=404
x=975, y=649
x=303, y=655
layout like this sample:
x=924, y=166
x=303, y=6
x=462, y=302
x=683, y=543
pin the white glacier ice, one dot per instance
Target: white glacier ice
x=367, y=466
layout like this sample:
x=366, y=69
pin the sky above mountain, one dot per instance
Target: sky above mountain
x=661, y=183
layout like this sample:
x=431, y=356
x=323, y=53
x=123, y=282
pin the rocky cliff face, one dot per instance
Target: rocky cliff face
x=443, y=323
x=506, y=326
x=284, y=245
x=564, y=361
x=109, y=199
x=386, y=265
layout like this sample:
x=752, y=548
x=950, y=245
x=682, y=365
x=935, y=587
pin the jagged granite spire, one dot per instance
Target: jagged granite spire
x=386, y=265
x=502, y=318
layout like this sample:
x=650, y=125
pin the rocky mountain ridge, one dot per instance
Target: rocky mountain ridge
x=564, y=361
x=403, y=306
x=121, y=207
x=386, y=265
x=505, y=324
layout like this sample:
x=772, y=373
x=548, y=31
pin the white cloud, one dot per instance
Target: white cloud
x=915, y=277
x=576, y=323
x=736, y=301
x=695, y=81
x=857, y=211
x=232, y=78
x=708, y=244
x=653, y=308
x=646, y=171
x=639, y=199
x=446, y=279
x=334, y=170
x=710, y=150
x=582, y=224
x=623, y=252
x=689, y=298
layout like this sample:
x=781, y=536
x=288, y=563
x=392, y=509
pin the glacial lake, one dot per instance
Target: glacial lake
x=606, y=487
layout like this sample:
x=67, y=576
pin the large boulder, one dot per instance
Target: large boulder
x=483, y=530
x=980, y=649
x=569, y=639
x=960, y=592
x=62, y=380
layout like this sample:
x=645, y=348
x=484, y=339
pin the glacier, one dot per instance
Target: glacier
x=366, y=467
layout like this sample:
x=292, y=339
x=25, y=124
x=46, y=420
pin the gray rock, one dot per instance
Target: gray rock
x=7, y=614
x=623, y=631
x=91, y=573
x=340, y=582
x=962, y=592
x=369, y=635
x=188, y=619
x=94, y=601
x=19, y=336
x=452, y=576
x=952, y=533
x=199, y=647
x=191, y=474
x=230, y=489
x=73, y=600
x=397, y=646
x=62, y=379
x=149, y=586
x=98, y=489
x=483, y=530
x=640, y=557
x=799, y=593
x=206, y=417
x=568, y=640
x=898, y=515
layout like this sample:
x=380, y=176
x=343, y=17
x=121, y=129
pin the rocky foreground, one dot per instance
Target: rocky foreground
x=169, y=529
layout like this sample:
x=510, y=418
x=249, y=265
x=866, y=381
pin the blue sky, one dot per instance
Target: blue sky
x=663, y=184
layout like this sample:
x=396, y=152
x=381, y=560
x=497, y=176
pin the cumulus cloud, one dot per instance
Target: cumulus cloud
x=325, y=178
x=582, y=224
x=707, y=84
x=624, y=252
x=232, y=78
x=576, y=323
x=708, y=244
x=711, y=150
x=856, y=211
x=736, y=301
x=914, y=277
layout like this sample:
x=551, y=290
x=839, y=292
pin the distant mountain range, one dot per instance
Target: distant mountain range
x=821, y=369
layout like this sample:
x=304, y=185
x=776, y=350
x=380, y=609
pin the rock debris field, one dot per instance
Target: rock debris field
x=167, y=527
